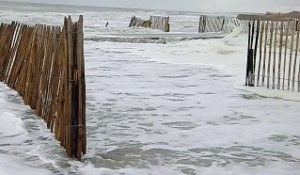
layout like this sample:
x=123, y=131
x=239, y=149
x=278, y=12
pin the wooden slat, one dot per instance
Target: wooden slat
x=285, y=54
x=259, y=74
x=270, y=54
x=265, y=53
x=291, y=57
x=280, y=55
x=298, y=49
x=255, y=46
x=295, y=61
x=274, y=55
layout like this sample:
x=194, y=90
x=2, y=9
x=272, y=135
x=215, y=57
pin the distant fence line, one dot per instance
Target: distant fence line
x=273, y=59
x=45, y=65
x=207, y=23
x=224, y=24
x=155, y=22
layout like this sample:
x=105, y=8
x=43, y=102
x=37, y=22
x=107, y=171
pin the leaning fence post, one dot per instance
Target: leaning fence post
x=249, y=69
x=255, y=48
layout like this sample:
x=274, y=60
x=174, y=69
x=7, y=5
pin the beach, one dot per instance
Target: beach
x=173, y=107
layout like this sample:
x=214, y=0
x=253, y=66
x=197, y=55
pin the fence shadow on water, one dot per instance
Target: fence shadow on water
x=45, y=65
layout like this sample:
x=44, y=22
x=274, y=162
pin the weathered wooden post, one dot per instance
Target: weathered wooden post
x=75, y=89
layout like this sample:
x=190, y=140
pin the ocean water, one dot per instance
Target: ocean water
x=156, y=108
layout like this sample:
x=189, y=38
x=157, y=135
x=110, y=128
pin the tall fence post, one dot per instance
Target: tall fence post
x=250, y=67
x=75, y=88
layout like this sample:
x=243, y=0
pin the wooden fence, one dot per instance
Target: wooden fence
x=138, y=22
x=273, y=46
x=155, y=22
x=159, y=22
x=45, y=65
x=224, y=24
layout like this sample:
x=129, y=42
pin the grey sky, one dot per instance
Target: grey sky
x=192, y=5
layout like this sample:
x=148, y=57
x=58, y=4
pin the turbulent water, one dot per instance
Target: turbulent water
x=171, y=107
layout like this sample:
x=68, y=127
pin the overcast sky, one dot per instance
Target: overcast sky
x=190, y=5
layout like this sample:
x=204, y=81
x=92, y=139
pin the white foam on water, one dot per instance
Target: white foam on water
x=234, y=128
x=89, y=170
x=274, y=93
x=10, y=166
x=12, y=135
x=268, y=169
x=11, y=126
